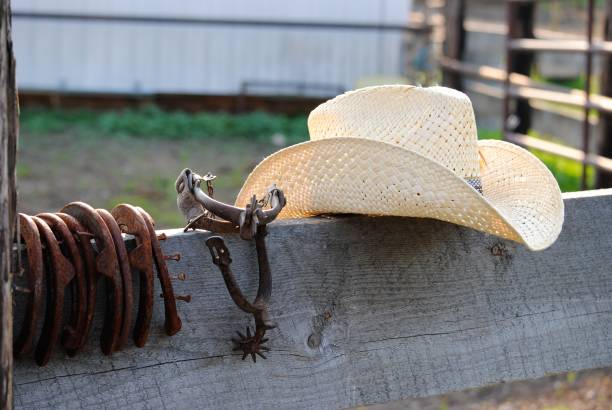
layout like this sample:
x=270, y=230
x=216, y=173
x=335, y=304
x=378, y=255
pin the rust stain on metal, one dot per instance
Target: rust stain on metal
x=173, y=322
x=184, y=298
x=131, y=222
x=83, y=240
x=126, y=276
x=34, y=275
x=248, y=344
x=72, y=249
x=78, y=286
x=174, y=257
x=59, y=272
x=108, y=267
x=203, y=211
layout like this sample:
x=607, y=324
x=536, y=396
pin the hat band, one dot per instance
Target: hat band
x=475, y=183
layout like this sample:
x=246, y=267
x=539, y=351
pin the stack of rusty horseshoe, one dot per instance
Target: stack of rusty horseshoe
x=68, y=252
x=202, y=211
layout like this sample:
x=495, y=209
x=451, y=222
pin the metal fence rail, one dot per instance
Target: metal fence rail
x=517, y=85
x=515, y=45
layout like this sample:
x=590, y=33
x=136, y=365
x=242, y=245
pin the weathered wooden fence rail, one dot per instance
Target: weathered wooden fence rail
x=369, y=310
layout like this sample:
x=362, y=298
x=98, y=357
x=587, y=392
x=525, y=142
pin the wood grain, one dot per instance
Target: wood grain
x=8, y=199
x=369, y=310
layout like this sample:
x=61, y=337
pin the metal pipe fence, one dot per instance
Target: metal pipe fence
x=519, y=87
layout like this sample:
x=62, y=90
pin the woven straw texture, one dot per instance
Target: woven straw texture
x=437, y=122
x=356, y=164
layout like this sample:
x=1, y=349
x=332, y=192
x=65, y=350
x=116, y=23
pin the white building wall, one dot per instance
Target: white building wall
x=128, y=57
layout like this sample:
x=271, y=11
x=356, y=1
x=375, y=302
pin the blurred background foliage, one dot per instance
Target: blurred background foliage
x=150, y=122
x=134, y=155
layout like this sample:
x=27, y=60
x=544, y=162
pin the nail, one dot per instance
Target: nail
x=181, y=276
x=21, y=289
x=175, y=257
x=88, y=234
x=184, y=298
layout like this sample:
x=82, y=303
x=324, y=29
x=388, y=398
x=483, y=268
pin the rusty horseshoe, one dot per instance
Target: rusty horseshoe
x=78, y=310
x=173, y=322
x=59, y=273
x=126, y=275
x=34, y=275
x=130, y=221
x=83, y=240
x=108, y=267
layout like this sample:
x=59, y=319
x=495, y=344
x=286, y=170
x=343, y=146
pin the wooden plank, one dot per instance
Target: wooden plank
x=369, y=310
x=8, y=199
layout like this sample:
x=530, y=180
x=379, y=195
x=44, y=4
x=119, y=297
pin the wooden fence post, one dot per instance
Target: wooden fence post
x=454, y=40
x=8, y=198
x=604, y=179
x=520, y=25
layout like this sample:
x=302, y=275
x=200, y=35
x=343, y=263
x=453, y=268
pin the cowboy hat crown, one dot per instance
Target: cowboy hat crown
x=436, y=122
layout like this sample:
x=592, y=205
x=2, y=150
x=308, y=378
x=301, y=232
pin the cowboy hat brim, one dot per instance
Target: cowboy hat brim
x=521, y=200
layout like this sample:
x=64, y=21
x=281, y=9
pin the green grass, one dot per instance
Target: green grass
x=566, y=171
x=152, y=122
x=155, y=208
x=570, y=4
x=23, y=170
x=578, y=82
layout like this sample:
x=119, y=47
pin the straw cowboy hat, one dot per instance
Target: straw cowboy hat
x=412, y=151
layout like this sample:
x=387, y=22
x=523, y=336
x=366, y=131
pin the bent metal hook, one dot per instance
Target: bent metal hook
x=248, y=344
x=250, y=222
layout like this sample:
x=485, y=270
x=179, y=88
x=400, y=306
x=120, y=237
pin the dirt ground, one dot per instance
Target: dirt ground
x=56, y=169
